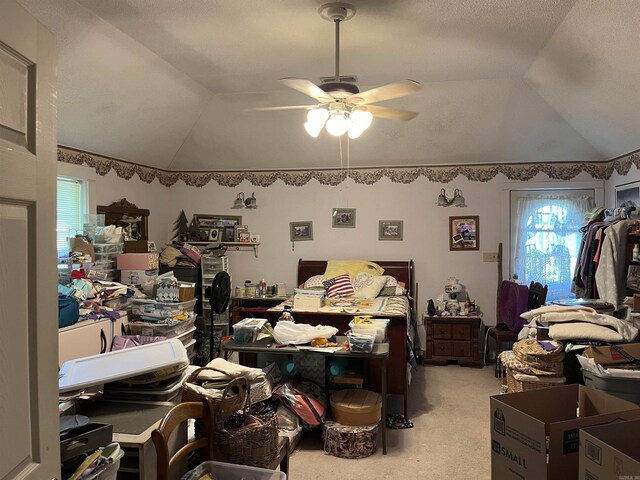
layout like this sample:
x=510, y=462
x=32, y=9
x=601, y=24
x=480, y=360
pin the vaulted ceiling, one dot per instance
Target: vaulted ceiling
x=167, y=83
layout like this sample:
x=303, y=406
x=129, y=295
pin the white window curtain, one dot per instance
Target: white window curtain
x=545, y=236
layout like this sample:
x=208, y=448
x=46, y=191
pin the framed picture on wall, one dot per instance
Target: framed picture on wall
x=628, y=196
x=215, y=234
x=343, y=218
x=216, y=221
x=300, y=231
x=390, y=229
x=464, y=233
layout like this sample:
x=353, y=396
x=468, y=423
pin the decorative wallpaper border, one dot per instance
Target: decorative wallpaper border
x=368, y=176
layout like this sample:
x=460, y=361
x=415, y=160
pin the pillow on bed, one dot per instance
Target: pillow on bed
x=368, y=286
x=396, y=291
x=351, y=267
x=339, y=286
x=314, y=282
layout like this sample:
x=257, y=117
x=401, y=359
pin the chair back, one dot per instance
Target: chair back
x=167, y=461
x=537, y=295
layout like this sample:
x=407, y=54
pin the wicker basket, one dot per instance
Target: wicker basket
x=515, y=385
x=245, y=439
x=233, y=397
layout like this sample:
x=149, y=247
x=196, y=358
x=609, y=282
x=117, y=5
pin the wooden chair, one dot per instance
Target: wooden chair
x=167, y=462
x=173, y=465
x=501, y=334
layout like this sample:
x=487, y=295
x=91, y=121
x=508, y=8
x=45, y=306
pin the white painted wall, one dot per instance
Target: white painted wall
x=425, y=229
x=153, y=196
x=425, y=225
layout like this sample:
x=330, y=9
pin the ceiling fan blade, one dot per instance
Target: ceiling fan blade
x=386, y=92
x=391, y=113
x=308, y=88
x=285, y=107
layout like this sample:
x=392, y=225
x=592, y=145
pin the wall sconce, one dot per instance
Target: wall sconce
x=457, y=200
x=241, y=202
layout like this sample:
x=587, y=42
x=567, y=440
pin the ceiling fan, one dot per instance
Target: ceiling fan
x=342, y=108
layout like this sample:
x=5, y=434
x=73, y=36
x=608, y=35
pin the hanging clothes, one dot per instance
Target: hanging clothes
x=611, y=272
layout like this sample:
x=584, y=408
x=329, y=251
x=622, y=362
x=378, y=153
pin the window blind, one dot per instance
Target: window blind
x=70, y=212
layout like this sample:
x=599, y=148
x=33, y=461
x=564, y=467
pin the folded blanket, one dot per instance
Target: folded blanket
x=225, y=370
x=576, y=322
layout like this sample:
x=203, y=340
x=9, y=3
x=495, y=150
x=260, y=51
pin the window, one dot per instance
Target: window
x=545, y=236
x=71, y=209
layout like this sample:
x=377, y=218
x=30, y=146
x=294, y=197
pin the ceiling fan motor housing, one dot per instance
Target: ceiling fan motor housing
x=337, y=11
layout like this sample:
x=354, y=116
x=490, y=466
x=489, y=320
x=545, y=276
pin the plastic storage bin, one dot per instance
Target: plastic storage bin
x=627, y=388
x=246, y=331
x=212, y=265
x=361, y=342
x=187, y=336
x=377, y=325
x=108, y=247
x=229, y=471
x=151, y=308
x=171, y=329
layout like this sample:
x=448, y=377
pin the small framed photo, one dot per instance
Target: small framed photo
x=244, y=237
x=203, y=234
x=390, y=229
x=344, y=218
x=215, y=234
x=464, y=233
x=228, y=234
x=238, y=230
x=300, y=231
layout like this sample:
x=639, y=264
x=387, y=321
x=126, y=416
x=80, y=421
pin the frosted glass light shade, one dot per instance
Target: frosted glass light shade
x=362, y=119
x=337, y=124
x=313, y=129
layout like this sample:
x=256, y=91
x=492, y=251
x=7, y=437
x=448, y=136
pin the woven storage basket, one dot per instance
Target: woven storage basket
x=245, y=439
x=233, y=397
x=515, y=385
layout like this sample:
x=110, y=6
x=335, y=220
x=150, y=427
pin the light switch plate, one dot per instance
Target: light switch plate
x=489, y=257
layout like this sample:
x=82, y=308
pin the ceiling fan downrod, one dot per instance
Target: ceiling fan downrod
x=337, y=12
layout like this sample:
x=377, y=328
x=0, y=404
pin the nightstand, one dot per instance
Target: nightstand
x=452, y=338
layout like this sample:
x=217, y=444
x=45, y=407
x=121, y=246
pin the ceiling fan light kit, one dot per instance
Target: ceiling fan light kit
x=342, y=107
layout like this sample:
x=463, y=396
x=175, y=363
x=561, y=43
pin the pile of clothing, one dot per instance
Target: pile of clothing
x=533, y=364
x=578, y=324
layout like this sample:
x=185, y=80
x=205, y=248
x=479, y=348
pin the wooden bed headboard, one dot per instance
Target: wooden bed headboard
x=401, y=270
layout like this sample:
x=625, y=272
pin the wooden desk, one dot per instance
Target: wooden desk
x=452, y=338
x=133, y=423
x=380, y=352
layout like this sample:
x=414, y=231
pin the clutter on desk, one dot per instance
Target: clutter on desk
x=249, y=330
x=362, y=341
x=366, y=323
x=289, y=333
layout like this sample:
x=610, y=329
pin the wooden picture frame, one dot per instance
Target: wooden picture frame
x=343, y=218
x=390, y=230
x=301, y=231
x=464, y=233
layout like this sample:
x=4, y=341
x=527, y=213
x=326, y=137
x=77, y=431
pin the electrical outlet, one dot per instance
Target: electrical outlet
x=489, y=257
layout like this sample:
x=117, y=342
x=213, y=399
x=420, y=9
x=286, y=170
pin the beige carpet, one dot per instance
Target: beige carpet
x=449, y=407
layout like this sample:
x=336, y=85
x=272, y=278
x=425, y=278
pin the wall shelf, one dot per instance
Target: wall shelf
x=232, y=246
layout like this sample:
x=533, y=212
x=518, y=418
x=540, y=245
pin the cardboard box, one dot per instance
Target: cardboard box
x=137, y=261
x=606, y=355
x=610, y=451
x=137, y=277
x=186, y=292
x=535, y=434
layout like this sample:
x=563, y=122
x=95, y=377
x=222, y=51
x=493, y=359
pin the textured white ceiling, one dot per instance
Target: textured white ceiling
x=166, y=82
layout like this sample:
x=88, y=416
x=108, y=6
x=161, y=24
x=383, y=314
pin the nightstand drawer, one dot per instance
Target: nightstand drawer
x=461, y=332
x=442, y=348
x=441, y=330
x=461, y=349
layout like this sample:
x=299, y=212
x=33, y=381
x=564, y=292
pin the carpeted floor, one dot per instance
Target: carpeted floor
x=449, y=406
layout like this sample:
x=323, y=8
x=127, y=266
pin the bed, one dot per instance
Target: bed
x=400, y=331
